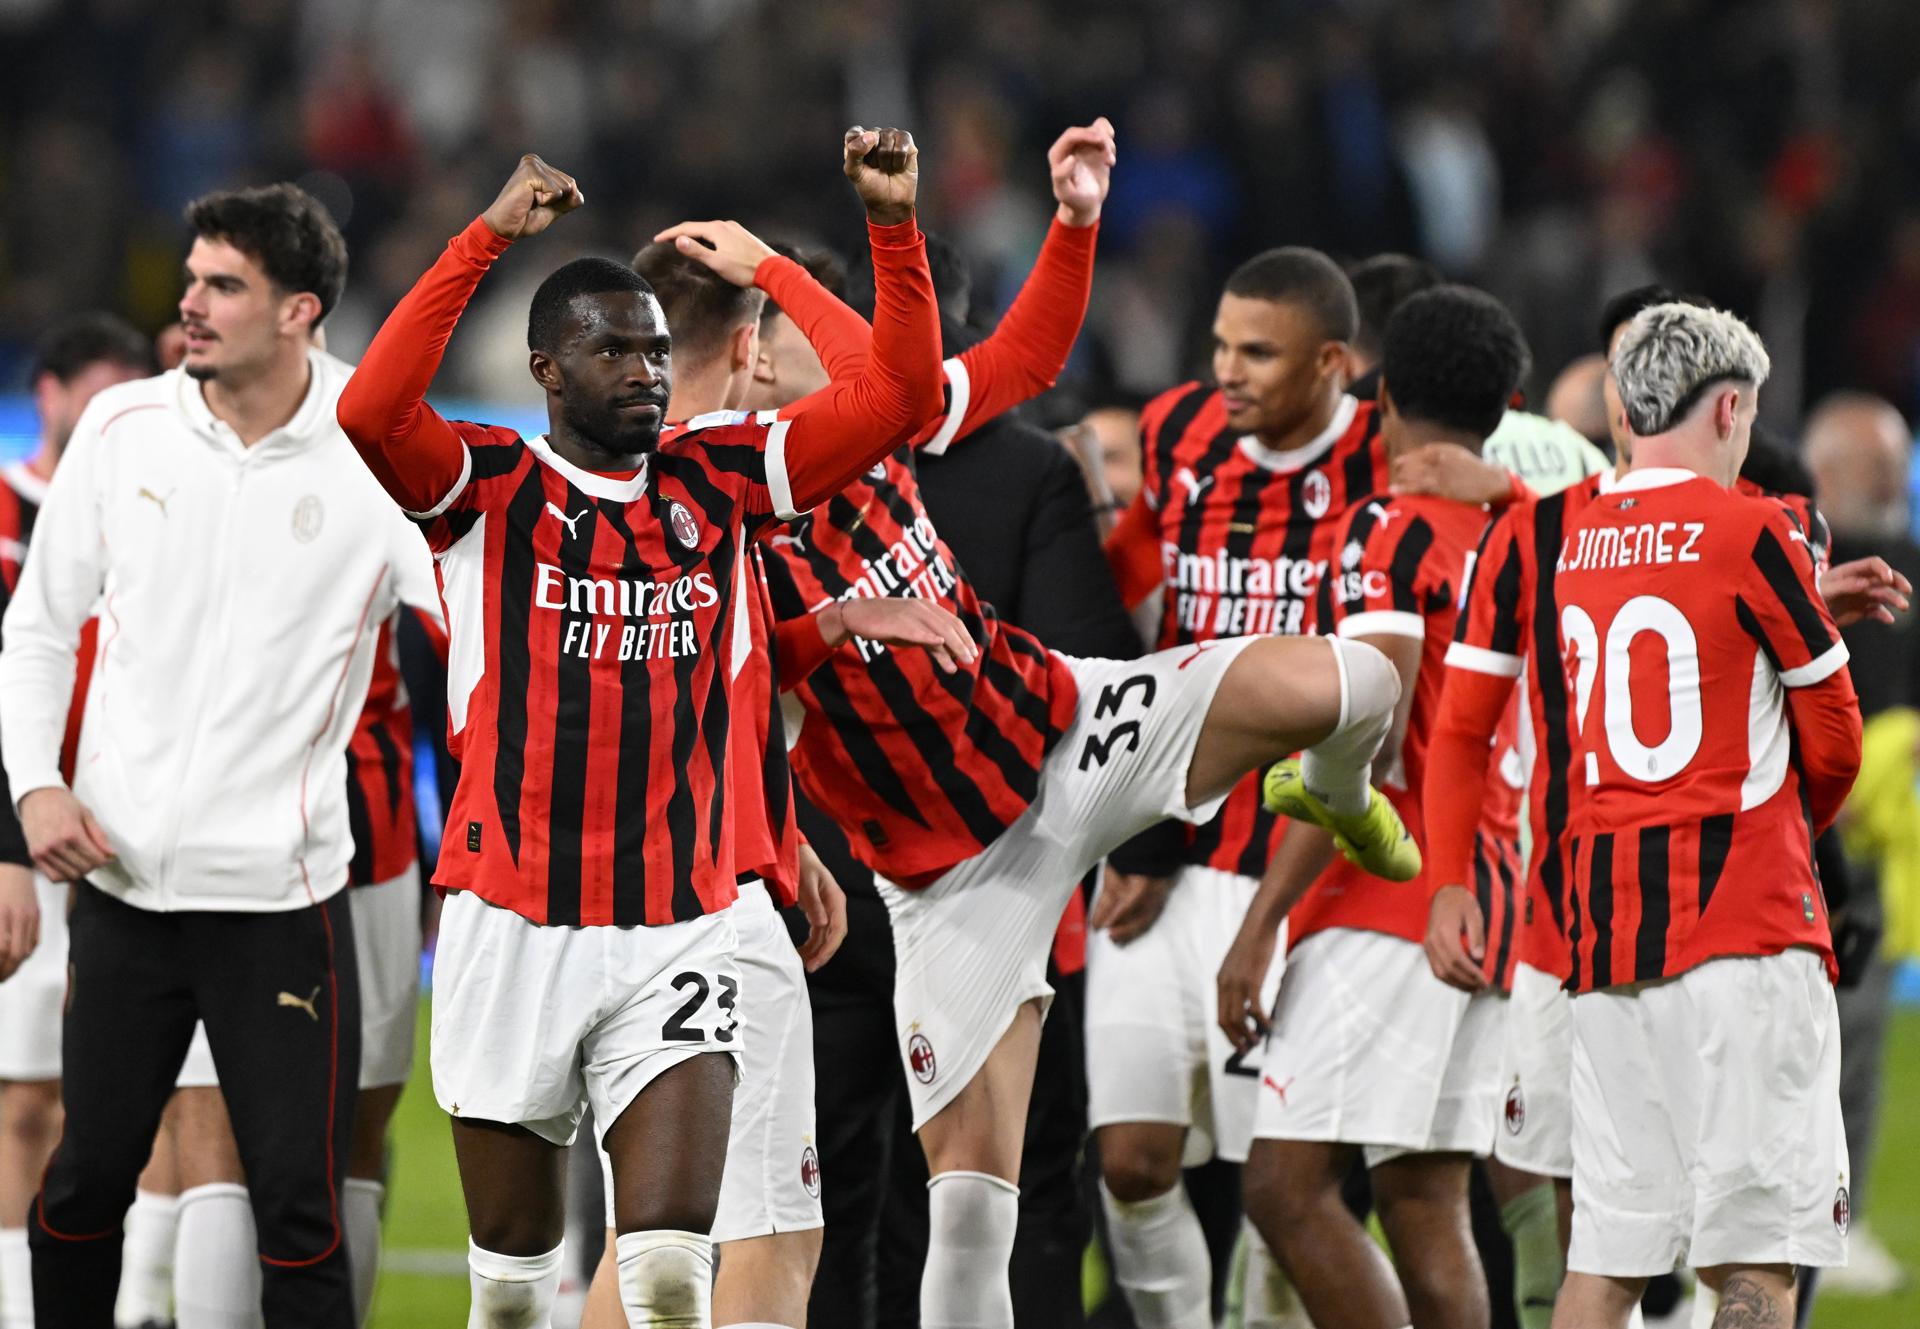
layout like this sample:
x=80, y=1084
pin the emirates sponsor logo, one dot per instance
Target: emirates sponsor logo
x=1220, y=595
x=914, y=566
x=665, y=632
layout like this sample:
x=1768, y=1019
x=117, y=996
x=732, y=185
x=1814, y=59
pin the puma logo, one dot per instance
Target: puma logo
x=1195, y=485
x=155, y=499
x=301, y=1003
x=1278, y=1088
x=567, y=521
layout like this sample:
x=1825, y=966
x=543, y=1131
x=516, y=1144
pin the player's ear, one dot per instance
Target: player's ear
x=1726, y=411
x=299, y=312
x=743, y=347
x=763, y=364
x=544, y=370
x=1336, y=357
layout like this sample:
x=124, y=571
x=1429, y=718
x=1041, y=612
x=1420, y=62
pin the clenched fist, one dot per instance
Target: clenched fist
x=885, y=169
x=534, y=196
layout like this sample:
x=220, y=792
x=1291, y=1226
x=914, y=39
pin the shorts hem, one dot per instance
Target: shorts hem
x=656, y=1065
x=766, y=1228
x=930, y=1103
x=1097, y=1121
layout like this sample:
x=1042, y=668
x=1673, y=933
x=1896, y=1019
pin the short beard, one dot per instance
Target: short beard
x=200, y=373
x=612, y=443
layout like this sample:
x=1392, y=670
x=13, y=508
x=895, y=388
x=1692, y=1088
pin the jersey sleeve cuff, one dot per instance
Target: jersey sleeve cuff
x=900, y=235
x=1817, y=670
x=1383, y=623
x=779, y=483
x=961, y=394
x=1483, y=661
x=466, y=474
x=478, y=243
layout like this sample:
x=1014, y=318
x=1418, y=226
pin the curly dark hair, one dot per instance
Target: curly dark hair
x=555, y=296
x=1452, y=356
x=1382, y=284
x=284, y=229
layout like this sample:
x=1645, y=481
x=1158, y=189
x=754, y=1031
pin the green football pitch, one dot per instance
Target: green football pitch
x=424, y=1281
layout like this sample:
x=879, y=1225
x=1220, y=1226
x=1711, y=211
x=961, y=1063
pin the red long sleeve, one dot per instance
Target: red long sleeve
x=1826, y=725
x=1029, y=348
x=1133, y=553
x=837, y=333
x=412, y=451
x=1459, y=753
x=799, y=649
x=841, y=431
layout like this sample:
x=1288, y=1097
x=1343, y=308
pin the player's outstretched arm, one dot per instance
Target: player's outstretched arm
x=854, y=423
x=1459, y=754
x=410, y=449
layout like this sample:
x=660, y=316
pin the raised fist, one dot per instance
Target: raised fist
x=533, y=196
x=1081, y=161
x=885, y=169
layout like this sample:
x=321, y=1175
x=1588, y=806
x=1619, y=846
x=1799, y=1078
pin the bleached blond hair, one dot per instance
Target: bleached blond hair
x=1671, y=354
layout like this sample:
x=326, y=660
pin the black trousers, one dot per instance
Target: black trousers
x=874, y=1175
x=281, y=999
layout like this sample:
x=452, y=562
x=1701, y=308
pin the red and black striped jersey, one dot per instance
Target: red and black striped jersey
x=1245, y=533
x=922, y=768
x=380, y=806
x=1686, y=613
x=766, y=833
x=21, y=492
x=595, y=624
x=1510, y=624
x=1401, y=564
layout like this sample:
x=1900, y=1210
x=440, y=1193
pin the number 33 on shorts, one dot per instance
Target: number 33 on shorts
x=693, y=1022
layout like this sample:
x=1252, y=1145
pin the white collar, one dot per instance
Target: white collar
x=297, y=432
x=1653, y=477
x=592, y=483
x=1292, y=459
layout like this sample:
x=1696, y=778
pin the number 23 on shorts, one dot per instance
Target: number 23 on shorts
x=697, y=987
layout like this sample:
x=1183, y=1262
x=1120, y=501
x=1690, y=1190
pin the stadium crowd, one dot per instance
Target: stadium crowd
x=1400, y=774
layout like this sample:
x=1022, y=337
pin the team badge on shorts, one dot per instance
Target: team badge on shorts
x=1516, y=1110
x=1842, y=1211
x=810, y=1171
x=685, y=528
x=920, y=1057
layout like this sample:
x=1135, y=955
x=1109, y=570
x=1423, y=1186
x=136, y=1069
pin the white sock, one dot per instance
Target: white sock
x=1270, y=1301
x=971, y=1218
x=216, y=1260
x=360, y=1214
x=666, y=1279
x=1337, y=769
x=510, y=1291
x=146, y=1261
x=16, y=1280
x=1160, y=1259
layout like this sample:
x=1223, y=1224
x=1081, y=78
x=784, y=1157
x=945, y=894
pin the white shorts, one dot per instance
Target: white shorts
x=772, y=1178
x=1706, y=1120
x=972, y=947
x=1369, y=1048
x=1536, y=1114
x=386, y=943
x=532, y=1023
x=1155, y=1049
x=34, y=997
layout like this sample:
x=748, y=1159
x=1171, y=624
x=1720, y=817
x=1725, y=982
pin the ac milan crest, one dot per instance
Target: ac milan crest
x=1516, y=1113
x=1316, y=494
x=1842, y=1211
x=810, y=1171
x=920, y=1057
x=685, y=528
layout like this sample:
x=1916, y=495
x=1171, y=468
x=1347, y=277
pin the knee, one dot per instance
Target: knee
x=1370, y=685
x=665, y=1277
x=30, y=1114
x=1133, y=1176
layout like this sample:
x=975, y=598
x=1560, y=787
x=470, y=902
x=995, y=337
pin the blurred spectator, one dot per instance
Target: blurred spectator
x=1576, y=399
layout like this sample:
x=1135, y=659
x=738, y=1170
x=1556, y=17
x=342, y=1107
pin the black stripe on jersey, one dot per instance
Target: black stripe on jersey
x=516, y=604
x=1243, y=525
x=868, y=756
x=776, y=781
x=572, y=728
x=1404, y=572
x=1166, y=444
x=1781, y=578
x=1786, y=584
x=1510, y=883
x=1551, y=877
x=719, y=508
x=359, y=825
x=1716, y=839
x=1211, y=459
x=1549, y=520
x=1483, y=874
x=1656, y=907
x=1358, y=467
x=1600, y=904
x=634, y=772
x=1359, y=531
x=490, y=461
